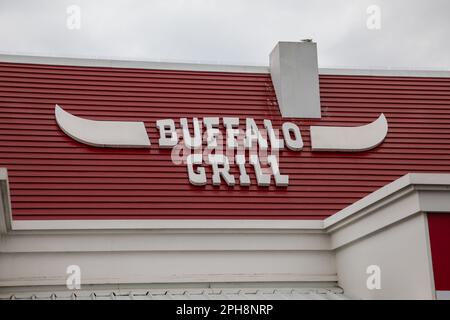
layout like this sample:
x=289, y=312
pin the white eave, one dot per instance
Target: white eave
x=385, y=72
x=181, y=66
x=110, y=63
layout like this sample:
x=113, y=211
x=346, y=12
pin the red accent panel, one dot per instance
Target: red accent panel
x=439, y=229
x=55, y=177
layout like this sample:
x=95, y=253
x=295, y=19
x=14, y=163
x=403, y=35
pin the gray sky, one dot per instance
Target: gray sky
x=413, y=34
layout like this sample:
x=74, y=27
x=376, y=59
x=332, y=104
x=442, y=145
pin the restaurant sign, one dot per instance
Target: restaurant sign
x=241, y=143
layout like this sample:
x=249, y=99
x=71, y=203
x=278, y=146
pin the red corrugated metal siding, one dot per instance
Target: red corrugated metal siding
x=439, y=225
x=55, y=177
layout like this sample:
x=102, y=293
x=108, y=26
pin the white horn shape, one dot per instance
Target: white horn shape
x=122, y=134
x=360, y=138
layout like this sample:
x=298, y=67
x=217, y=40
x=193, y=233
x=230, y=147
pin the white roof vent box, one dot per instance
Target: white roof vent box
x=295, y=76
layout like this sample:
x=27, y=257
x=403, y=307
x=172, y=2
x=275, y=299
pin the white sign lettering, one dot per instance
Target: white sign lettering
x=228, y=154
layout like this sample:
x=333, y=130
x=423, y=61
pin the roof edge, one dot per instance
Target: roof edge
x=183, y=66
x=135, y=64
x=385, y=72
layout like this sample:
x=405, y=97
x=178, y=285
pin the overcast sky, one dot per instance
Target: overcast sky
x=410, y=34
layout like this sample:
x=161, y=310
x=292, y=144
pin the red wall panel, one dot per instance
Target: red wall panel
x=439, y=230
x=55, y=177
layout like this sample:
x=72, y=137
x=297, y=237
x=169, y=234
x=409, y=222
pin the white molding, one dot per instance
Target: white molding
x=158, y=224
x=146, y=241
x=385, y=72
x=180, y=280
x=429, y=254
x=86, y=62
x=203, y=292
x=166, y=257
x=140, y=287
x=113, y=63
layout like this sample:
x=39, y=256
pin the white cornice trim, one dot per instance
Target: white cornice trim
x=111, y=63
x=61, y=225
x=385, y=72
x=84, y=62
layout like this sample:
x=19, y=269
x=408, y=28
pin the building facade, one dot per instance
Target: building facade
x=126, y=179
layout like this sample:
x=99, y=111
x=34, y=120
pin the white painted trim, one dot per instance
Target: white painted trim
x=385, y=72
x=145, y=257
x=23, y=225
x=84, y=62
x=199, y=292
x=112, y=63
x=180, y=280
x=167, y=241
x=429, y=254
x=215, y=286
